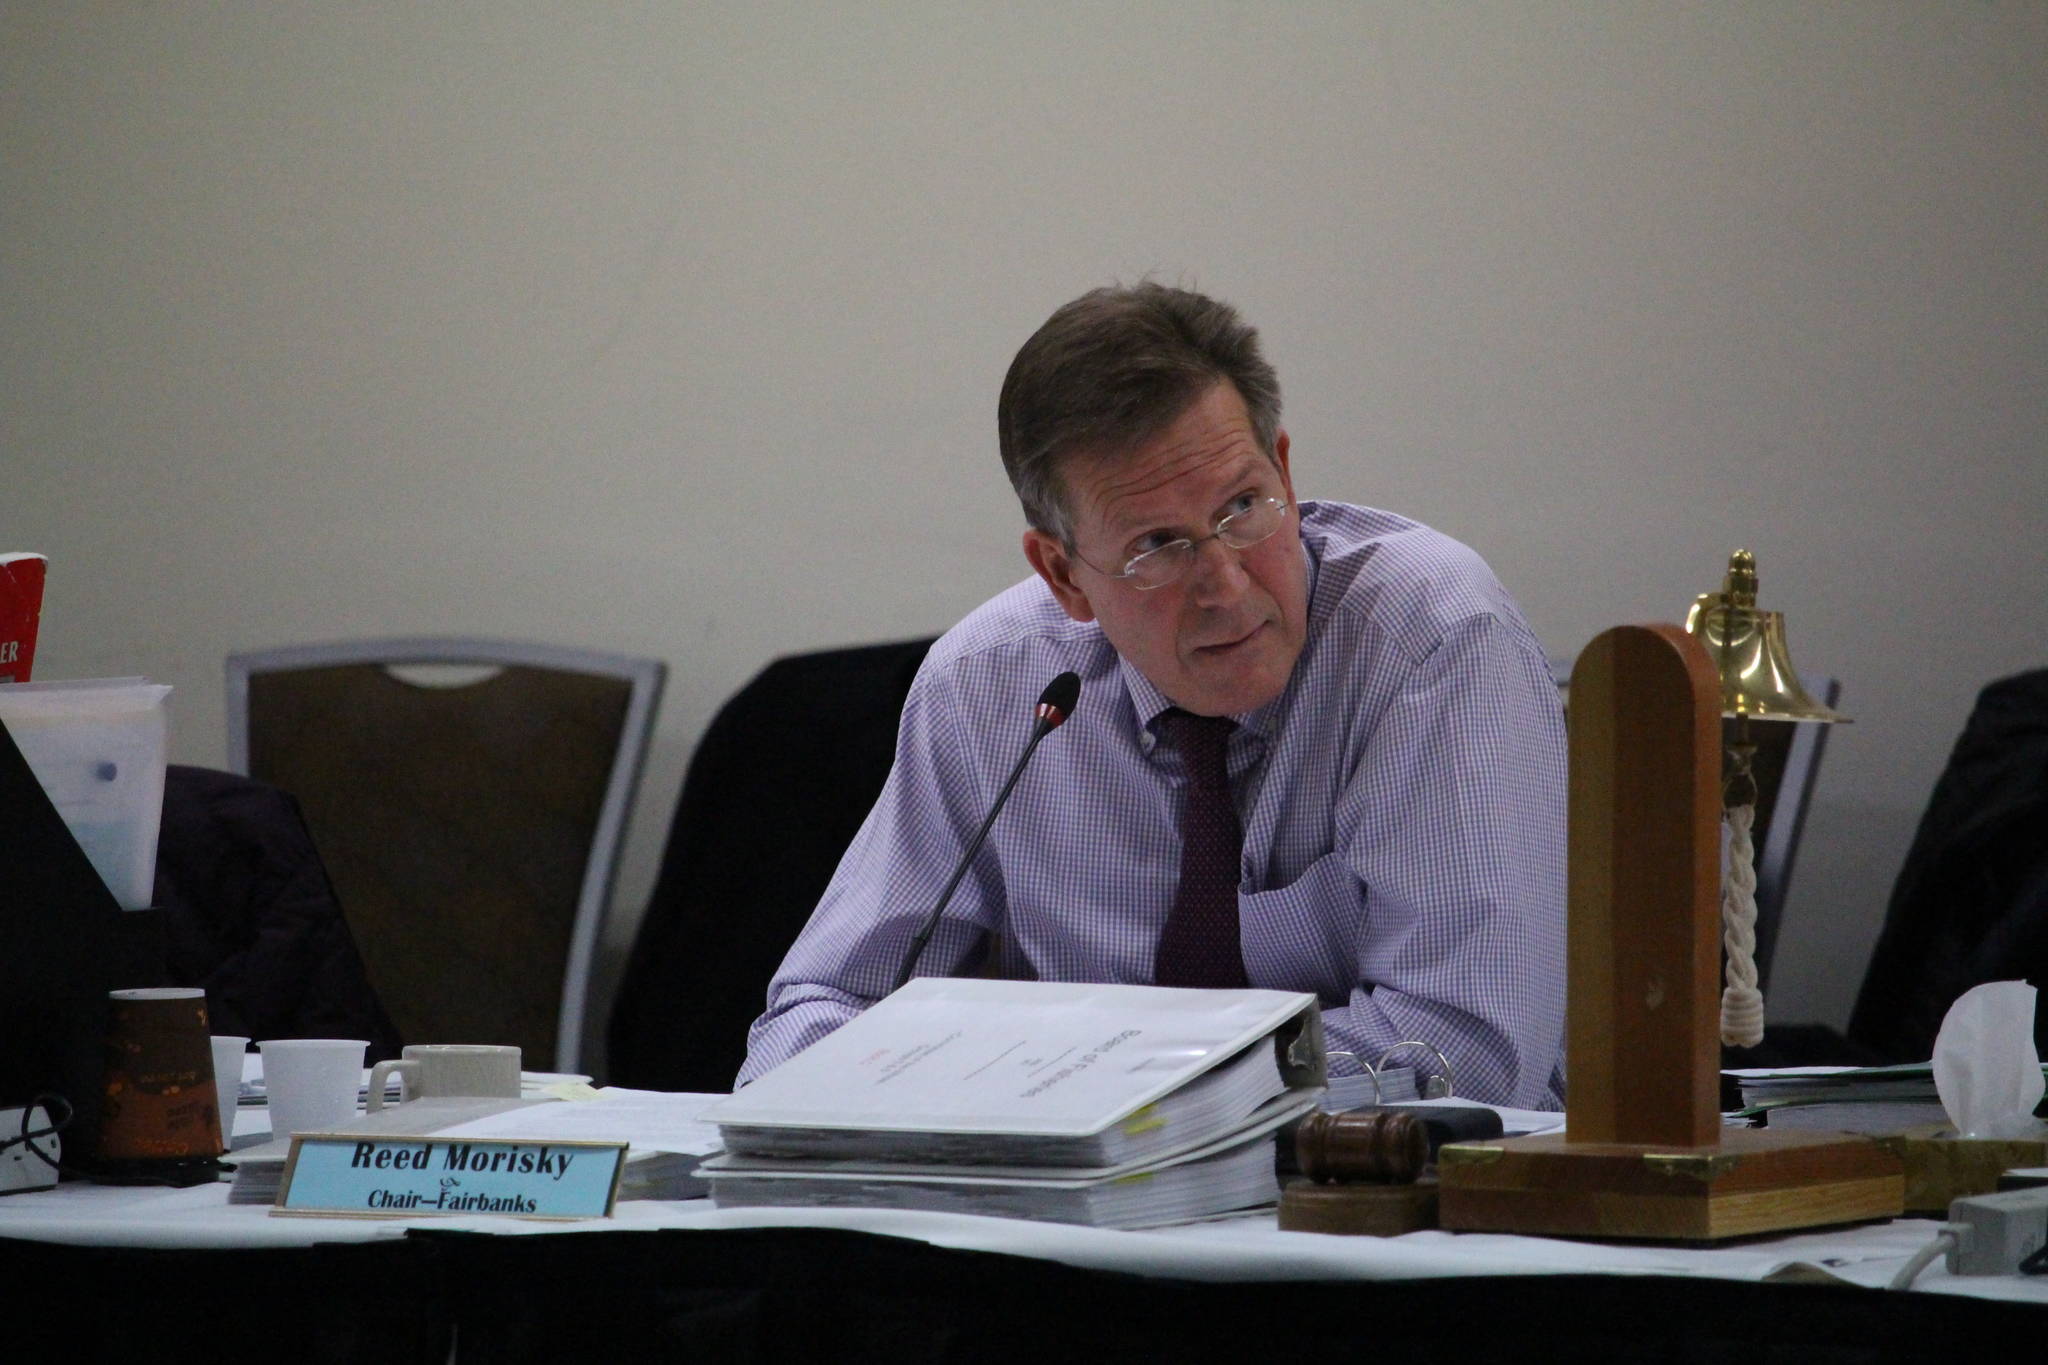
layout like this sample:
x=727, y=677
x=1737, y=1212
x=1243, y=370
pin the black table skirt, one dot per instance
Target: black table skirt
x=786, y=1295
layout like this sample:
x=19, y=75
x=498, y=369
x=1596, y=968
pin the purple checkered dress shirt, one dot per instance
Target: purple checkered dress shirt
x=1402, y=803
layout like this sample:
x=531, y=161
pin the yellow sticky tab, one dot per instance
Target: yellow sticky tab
x=1144, y=1121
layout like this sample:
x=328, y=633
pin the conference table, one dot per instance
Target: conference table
x=96, y=1270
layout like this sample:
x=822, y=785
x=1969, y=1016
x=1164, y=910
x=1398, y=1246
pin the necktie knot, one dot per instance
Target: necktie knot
x=1203, y=743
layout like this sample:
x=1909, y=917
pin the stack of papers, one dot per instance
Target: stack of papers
x=1236, y=1172
x=1866, y=1099
x=1395, y=1085
x=665, y=1139
x=1118, y=1106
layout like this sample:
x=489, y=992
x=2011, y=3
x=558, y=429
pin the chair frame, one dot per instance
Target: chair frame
x=645, y=676
x=1788, y=822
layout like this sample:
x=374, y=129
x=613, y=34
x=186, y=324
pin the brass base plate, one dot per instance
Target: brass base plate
x=1754, y=1180
x=1941, y=1167
x=1358, y=1209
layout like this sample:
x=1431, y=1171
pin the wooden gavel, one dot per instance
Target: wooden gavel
x=1363, y=1145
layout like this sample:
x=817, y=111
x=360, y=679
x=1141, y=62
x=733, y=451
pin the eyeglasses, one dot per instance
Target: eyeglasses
x=1255, y=520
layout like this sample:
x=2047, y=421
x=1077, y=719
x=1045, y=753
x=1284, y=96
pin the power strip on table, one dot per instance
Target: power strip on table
x=22, y=1168
x=1997, y=1231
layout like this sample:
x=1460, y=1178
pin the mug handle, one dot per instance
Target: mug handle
x=407, y=1072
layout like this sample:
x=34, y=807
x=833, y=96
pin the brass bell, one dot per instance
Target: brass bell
x=1748, y=649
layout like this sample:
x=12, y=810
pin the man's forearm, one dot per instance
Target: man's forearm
x=800, y=1017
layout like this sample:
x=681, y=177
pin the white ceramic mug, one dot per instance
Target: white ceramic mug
x=448, y=1069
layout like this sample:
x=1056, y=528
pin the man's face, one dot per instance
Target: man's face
x=1222, y=638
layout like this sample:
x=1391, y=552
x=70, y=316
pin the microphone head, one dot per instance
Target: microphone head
x=1056, y=703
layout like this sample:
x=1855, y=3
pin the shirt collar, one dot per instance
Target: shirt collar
x=1148, y=702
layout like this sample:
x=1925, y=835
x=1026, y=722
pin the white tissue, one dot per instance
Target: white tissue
x=1985, y=1067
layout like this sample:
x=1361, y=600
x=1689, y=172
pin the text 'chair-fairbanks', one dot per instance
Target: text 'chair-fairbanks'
x=469, y=798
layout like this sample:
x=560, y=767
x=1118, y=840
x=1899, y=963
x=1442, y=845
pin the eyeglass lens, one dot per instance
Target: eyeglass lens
x=1239, y=530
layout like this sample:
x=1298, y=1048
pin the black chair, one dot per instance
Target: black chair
x=249, y=914
x=1971, y=901
x=777, y=789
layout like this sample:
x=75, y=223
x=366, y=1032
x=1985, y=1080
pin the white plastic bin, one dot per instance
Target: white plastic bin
x=98, y=747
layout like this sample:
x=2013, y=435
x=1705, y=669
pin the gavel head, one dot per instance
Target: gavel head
x=1363, y=1145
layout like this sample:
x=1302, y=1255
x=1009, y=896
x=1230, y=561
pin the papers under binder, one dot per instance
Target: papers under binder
x=1229, y=1173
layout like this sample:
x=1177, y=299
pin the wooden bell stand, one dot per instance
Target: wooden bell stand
x=1644, y=1153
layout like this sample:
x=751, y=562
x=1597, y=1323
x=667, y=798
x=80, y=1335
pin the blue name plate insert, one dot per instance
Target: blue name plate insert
x=337, y=1174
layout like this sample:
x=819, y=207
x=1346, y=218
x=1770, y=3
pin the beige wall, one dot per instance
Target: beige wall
x=676, y=328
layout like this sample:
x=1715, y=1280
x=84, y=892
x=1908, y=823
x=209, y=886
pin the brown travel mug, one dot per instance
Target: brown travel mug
x=160, y=1103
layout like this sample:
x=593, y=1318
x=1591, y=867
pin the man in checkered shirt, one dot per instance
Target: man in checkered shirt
x=1396, y=762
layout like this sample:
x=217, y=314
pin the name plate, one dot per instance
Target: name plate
x=348, y=1175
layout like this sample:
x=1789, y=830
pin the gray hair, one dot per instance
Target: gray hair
x=1112, y=369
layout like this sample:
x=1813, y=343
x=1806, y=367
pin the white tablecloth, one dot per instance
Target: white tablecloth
x=1245, y=1248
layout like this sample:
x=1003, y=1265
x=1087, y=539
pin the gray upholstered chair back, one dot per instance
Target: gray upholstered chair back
x=469, y=798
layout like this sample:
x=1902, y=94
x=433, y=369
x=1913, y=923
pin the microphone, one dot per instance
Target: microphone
x=1055, y=704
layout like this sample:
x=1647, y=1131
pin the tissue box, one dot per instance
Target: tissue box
x=1941, y=1167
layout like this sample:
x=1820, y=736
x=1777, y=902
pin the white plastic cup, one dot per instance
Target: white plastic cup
x=312, y=1083
x=227, y=1083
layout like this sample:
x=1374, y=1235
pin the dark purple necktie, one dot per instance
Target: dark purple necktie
x=1199, y=945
